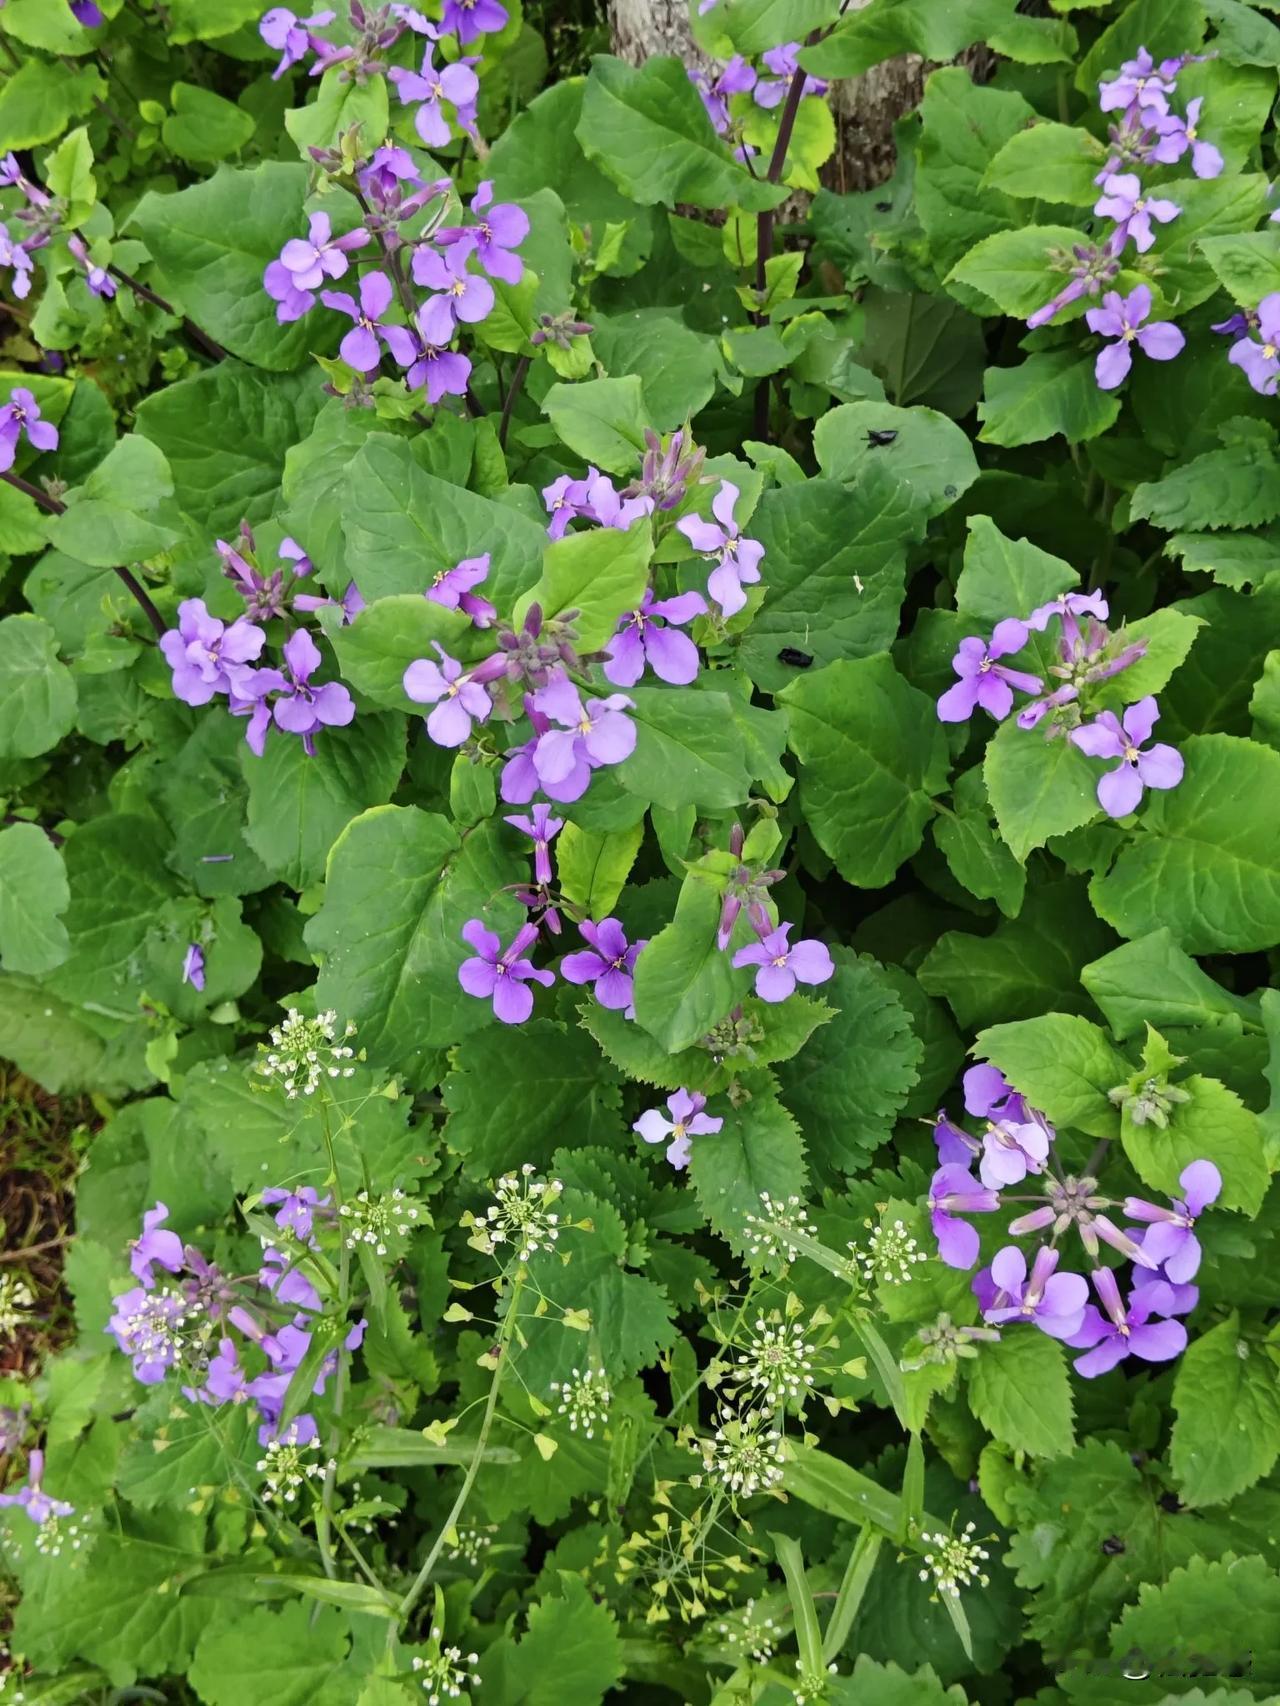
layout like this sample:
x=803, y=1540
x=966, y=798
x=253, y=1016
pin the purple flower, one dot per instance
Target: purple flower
x=299, y=708
x=502, y=976
x=193, y=966
x=596, y=733
x=296, y=1209
x=983, y=680
x=464, y=297
x=1054, y=1302
x=1141, y=83
x=643, y=637
x=608, y=965
x=469, y=19
x=99, y=280
x=1111, y=737
x=147, y=1327
x=290, y=35
x=156, y=1245
x=351, y=603
x=208, y=656
x=954, y=1191
x=1012, y=1150
x=567, y=500
x=1092, y=266
x=1121, y=317
x=1260, y=362
x=388, y=168
x=1122, y=200
x=665, y=474
x=452, y=589
x=782, y=965
x=1177, y=135
x=444, y=372
x=15, y=255
x=459, y=699
x=1169, y=1238
x=304, y=264
x=32, y=1498
x=783, y=62
x=542, y=830
x=1067, y=607
x=607, y=505
x=22, y=414
x=457, y=84
x=955, y=1147
x=285, y=1281
x=1123, y=1332
x=87, y=13
x=497, y=232
x=687, y=1120
x=989, y=1095
x=739, y=558
x=359, y=348
x=225, y=1381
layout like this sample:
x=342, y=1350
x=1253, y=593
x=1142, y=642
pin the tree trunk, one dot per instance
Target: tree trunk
x=643, y=28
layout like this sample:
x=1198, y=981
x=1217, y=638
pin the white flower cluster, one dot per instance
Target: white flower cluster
x=57, y=1534
x=446, y=1674
x=289, y=1466
x=584, y=1399
x=744, y=1455
x=374, y=1220
x=954, y=1562
x=757, y=1637
x=767, y=1231
x=890, y=1254
x=470, y=1544
x=522, y=1216
x=778, y=1362
x=305, y=1051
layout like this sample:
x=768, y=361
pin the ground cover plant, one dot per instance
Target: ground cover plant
x=640, y=835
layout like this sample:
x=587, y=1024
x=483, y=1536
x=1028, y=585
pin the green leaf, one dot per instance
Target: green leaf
x=388, y=635
x=33, y=895
x=1020, y=1393
x=40, y=100
x=929, y=454
x=872, y=755
x=677, y=367
x=37, y=693
x=203, y=126
x=1229, y=1606
x=1152, y=981
x=572, y=1651
x=1014, y=269
x=51, y=28
x=603, y=420
x=201, y=792
x=852, y=1079
x=1213, y=1126
x=965, y=127
x=1168, y=636
x=299, y=804
x=599, y=575
x=977, y=857
x=1178, y=25
x=487, y=1095
x=211, y=244
x=1007, y=577
x=121, y=514
x=1206, y=862
x=1037, y=787
x=835, y=561
x=867, y=37
x=1235, y=487
x=68, y=174
x=1226, y=1396
x=689, y=749
x=341, y=103
x=179, y=1451
x=684, y=983
x=755, y=26
x=290, y=1657
x=1049, y=162
x=403, y=526
x=646, y=130
x=1245, y=263
x=400, y=885
x=205, y=20
x=1236, y=201
x=1243, y=37
x=758, y=1149
x=1050, y=392
x=592, y=868
x=1061, y=1064
x=49, y=1040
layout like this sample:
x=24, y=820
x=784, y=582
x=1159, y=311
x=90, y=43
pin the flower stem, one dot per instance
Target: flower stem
x=509, y=401
x=145, y=294
x=764, y=225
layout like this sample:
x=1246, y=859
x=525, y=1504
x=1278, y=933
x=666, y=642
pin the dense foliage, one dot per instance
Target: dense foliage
x=651, y=812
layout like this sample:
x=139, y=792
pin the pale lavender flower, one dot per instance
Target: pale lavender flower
x=1141, y=83
x=1109, y=736
x=739, y=558
x=1125, y=1331
x=193, y=966
x=98, y=279
x=458, y=696
x=296, y=1209
x=1054, y=1302
x=208, y=656
x=1122, y=200
x=21, y=414
x=1260, y=361
x=643, y=637
x=290, y=35
x=783, y=62
x=1011, y=1150
x=687, y=1121
x=610, y=508
x=463, y=297
x=542, y=830
x=989, y=1095
x=498, y=231
x=155, y=1246
x=1092, y=265
x=608, y=965
x=984, y=680
x=430, y=89
x=444, y=372
x=567, y=500
x=782, y=964
x=1169, y=1238
x=470, y=19
x=15, y=255
x=598, y=732
x=299, y=708
x=1177, y=135
x=32, y=1498
x=955, y=1146
x=1121, y=318
x=452, y=589
x=1067, y=607
x=502, y=977
x=953, y=1191
x=359, y=348
x=147, y=1326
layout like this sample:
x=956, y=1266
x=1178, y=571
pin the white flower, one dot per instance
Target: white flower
x=522, y=1214
x=778, y=1362
x=743, y=1454
x=289, y=1466
x=374, y=1220
x=767, y=1231
x=758, y=1637
x=890, y=1254
x=585, y=1399
x=953, y=1561
x=446, y=1673
x=305, y=1051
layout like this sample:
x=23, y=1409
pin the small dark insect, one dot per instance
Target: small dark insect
x=1170, y=1502
x=881, y=435
x=797, y=660
x=1113, y=1546
x=948, y=491
x=884, y=207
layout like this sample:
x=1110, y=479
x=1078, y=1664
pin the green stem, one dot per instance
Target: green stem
x=324, y=1516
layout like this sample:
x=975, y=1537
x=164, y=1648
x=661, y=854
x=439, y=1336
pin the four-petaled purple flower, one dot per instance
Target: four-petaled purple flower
x=155, y=1245
x=608, y=965
x=499, y=230
x=464, y=296
x=459, y=698
x=739, y=558
x=296, y=1209
x=359, y=348
x=983, y=679
x=1141, y=83
x=503, y=977
x=290, y=35
x=305, y=262
x=1054, y=1302
x=1169, y=1238
x=452, y=588
x=1178, y=134
x=470, y=19
x=456, y=84
x=589, y=735
x=208, y=656
x=687, y=1121
x=299, y=708
x=1109, y=736
x=542, y=830
x=988, y=1094
x=566, y=499
x=98, y=279
x=193, y=965
x=1107, y=1339
x=1122, y=200
x=1260, y=361
x=22, y=414
x=32, y=1498
x=444, y=372
x=1121, y=318
x=1011, y=1150
x=954, y=1191
x=783, y=964
x=1067, y=607
x=643, y=637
